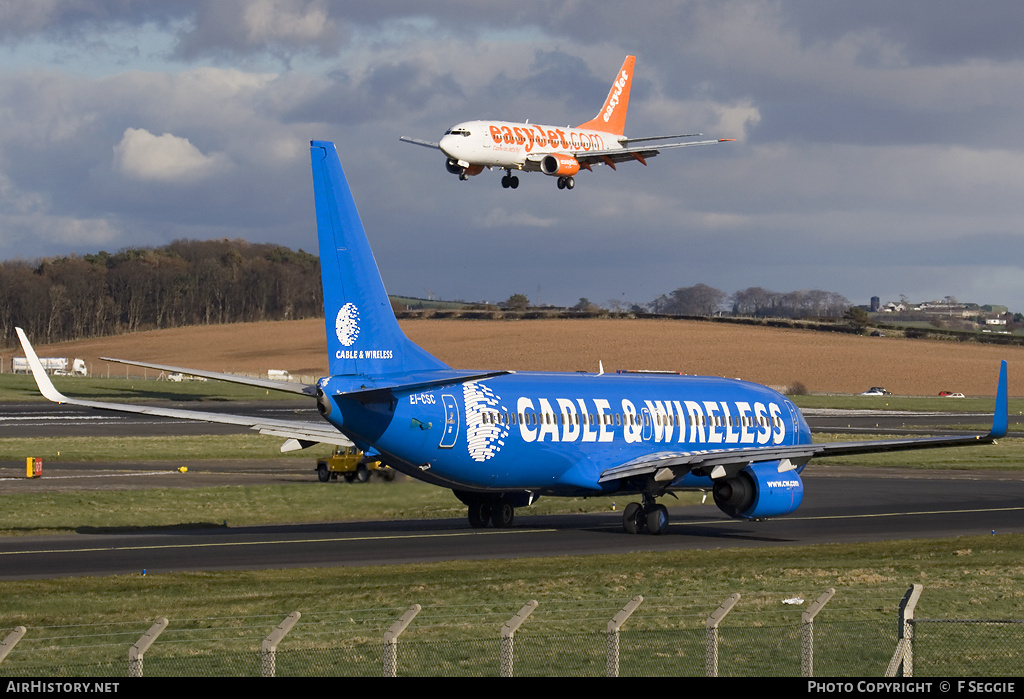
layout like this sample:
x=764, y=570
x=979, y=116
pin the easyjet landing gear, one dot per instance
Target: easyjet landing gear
x=649, y=517
x=509, y=181
x=566, y=183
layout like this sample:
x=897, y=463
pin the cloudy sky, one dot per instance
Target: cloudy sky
x=880, y=145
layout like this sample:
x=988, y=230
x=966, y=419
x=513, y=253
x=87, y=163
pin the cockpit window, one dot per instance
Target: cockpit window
x=457, y=132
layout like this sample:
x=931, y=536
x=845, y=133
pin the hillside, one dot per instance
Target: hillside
x=825, y=362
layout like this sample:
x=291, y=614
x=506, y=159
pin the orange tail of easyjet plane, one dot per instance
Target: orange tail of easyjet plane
x=612, y=117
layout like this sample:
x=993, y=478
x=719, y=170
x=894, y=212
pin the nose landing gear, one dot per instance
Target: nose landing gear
x=509, y=181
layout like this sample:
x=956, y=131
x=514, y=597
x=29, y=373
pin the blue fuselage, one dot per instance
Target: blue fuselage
x=556, y=433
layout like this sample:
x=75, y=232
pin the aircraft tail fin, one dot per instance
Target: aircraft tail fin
x=612, y=117
x=363, y=336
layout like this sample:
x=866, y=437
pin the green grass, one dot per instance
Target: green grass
x=1005, y=455
x=217, y=619
x=83, y=626
x=933, y=404
x=133, y=510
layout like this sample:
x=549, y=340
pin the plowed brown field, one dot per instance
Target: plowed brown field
x=821, y=361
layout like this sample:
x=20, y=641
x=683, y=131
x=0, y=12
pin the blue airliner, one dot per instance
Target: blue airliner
x=501, y=439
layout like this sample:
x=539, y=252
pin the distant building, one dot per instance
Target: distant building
x=876, y=303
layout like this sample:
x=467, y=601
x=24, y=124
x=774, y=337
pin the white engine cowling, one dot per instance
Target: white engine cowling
x=557, y=164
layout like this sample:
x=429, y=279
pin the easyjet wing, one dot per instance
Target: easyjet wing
x=639, y=153
x=421, y=142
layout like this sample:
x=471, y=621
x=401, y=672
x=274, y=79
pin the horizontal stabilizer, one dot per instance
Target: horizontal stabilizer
x=273, y=384
x=300, y=430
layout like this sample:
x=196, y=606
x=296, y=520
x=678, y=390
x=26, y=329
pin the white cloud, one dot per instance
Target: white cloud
x=500, y=218
x=167, y=158
x=269, y=20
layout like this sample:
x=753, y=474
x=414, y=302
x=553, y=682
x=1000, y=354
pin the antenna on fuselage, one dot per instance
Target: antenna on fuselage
x=600, y=367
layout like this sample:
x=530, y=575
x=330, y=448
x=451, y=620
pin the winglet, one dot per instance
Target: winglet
x=38, y=373
x=1001, y=418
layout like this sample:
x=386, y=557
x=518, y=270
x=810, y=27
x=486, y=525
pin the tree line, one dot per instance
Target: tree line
x=755, y=302
x=197, y=282
x=189, y=282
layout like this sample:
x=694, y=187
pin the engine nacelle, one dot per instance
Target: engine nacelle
x=323, y=403
x=759, y=491
x=557, y=164
x=457, y=168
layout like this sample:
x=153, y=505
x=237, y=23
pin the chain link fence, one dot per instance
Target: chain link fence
x=664, y=637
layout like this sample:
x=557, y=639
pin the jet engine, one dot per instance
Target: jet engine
x=556, y=164
x=759, y=491
x=463, y=171
x=323, y=402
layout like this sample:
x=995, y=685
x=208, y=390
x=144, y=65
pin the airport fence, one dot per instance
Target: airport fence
x=467, y=643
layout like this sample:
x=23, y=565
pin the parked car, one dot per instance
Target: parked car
x=950, y=394
x=876, y=391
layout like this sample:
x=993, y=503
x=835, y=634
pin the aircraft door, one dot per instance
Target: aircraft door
x=451, y=422
x=645, y=415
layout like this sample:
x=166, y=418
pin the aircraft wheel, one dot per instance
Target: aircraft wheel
x=570, y=182
x=561, y=183
x=502, y=515
x=505, y=181
x=633, y=518
x=322, y=474
x=513, y=182
x=479, y=515
x=657, y=519
x=463, y=177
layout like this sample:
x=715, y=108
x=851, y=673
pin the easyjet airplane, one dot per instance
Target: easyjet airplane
x=501, y=439
x=556, y=151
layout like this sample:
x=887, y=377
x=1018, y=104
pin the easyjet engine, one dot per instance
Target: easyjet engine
x=759, y=491
x=463, y=172
x=557, y=164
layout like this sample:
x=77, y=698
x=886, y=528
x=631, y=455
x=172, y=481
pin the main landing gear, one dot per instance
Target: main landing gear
x=499, y=514
x=566, y=183
x=648, y=517
x=494, y=509
x=509, y=181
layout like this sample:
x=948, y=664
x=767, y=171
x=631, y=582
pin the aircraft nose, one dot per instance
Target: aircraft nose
x=450, y=145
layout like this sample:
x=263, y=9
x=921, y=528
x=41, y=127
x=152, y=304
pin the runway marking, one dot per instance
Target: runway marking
x=284, y=541
x=863, y=516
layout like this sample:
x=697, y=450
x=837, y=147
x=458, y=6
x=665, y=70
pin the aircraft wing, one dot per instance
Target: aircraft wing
x=299, y=433
x=418, y=142
x=718, y=463
x=636, y=152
